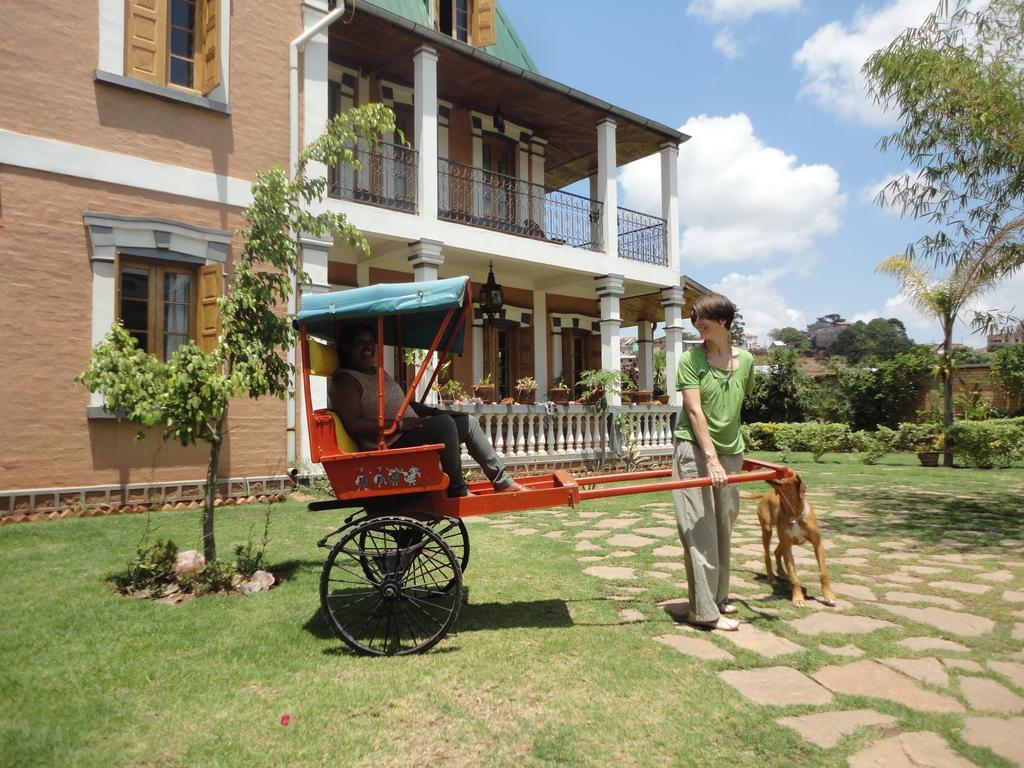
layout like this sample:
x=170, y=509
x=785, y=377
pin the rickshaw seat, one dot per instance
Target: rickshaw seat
x=323, y=361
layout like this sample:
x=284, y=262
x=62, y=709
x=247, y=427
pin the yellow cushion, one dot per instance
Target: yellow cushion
x=323, y=358
x=345, y=441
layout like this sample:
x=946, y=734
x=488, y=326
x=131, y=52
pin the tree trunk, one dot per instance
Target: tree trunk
x=947, y=386
x=209, y=543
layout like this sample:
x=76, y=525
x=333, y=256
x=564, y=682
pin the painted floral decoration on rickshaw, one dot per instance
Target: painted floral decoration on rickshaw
x=386, y=477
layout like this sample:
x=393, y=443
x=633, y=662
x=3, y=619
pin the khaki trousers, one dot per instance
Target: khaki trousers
x=705, y=517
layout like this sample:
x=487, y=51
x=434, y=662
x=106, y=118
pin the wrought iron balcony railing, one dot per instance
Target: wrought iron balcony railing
x=387, y=177
x=482, y=198
x=642, y=237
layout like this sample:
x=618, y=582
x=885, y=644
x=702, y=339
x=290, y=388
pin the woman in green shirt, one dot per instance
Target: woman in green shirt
x=713, y=378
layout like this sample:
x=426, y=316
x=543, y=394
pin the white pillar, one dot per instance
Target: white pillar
x=670, y=202
x=425, y=131
x=607, y=192
x=672, y=301
x=315, y=109
x=645, y=353
x=540, y=343
x=314, y=260
x=556, y=351
x=362, y=274
x=609, y=289
x=104, y=295
x=426, y=258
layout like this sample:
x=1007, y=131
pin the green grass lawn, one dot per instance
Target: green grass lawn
x=540, y=669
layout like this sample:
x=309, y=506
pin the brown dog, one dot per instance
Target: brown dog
x=788, y=511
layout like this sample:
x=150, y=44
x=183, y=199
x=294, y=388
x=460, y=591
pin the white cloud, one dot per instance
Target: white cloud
x=762, y=306
x=832, y=57
x=865, y=317
x=737, y=10
x=869, y=193
x=739, y=199
x=725, y=43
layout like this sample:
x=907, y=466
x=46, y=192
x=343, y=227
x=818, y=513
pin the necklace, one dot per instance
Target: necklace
x=721, y=375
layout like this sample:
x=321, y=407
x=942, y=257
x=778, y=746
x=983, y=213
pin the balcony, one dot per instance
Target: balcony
x=481, y=198
x=386, y=178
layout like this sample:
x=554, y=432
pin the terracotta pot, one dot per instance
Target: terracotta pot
x=485, y=392
x=525, y=396
x=642, y=396
x=559, y=395
x=663, y=399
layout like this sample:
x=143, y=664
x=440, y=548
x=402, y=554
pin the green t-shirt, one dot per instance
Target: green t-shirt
x=721, y=397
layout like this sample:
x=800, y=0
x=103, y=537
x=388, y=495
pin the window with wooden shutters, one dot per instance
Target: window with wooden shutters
x=164, y=304
x=485, y=23
x=174, y=42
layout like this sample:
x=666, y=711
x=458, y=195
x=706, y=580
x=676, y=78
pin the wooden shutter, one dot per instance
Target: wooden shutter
x=594, y=350
x=209, y=28
x=485, y=23
x=207, y=311
x=524, y=352
x=146, y=40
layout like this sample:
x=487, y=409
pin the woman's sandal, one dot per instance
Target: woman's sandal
x=722, y=624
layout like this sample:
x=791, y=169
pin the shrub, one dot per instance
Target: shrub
x=874, y=445
x=987, y=444
x=152, y=568
x=911, y=436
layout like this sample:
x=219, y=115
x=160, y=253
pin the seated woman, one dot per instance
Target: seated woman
x=352, y=393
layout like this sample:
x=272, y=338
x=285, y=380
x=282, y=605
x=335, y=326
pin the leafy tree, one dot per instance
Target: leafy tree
x=1008, y=370
x=958, y=84
x=736, y=330
x=188, y=395
x=878, y=339
x=944, y=299
x=780, y=394
x=792, y=337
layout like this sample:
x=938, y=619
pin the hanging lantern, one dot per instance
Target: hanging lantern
x=491, y=298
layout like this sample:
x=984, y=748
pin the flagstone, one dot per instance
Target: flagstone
x=1017, y=633
x=524, y=531
x=997, y=576
x=892, y=544
x=899, y=556
x=587, y=546
x=918, y=749
x=778, y=686
x=632, y=590
x=873, y=680
x=933, y=644
x=817, y=603
x=670, y=566
x=551, y=534
x=590, y=558
x=658, y=505
x=1017, y=614
x=849, y=650
x=629, y=540
x=590, y=513
x=761, y=641
x=1013, y=597
x=658, y=532
x=962, y=586
x=658, y=575
x=610, y=572
x=1001, y=736
x=987, y=695
x=924, y=570
x=677, y=607
x=590, y=533
x=697, y=647
x=965, y=665
x=902, y=578
x=616, y=522
x=1012, y=671
x=854, y=561
x=916, y=597
x=954, y=622
x=927, y=670
x=860, y=551
x=838, y=623
x=856, y=591
x=668, y=551
x=848, y=538
x=826, y=729
x=621, y=553
x=631, y=615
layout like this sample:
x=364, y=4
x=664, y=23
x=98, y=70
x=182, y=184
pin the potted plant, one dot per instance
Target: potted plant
x=659, y=377
x=484, y=389
x=526, y=390
x=450, y=391
x=559, y=391
x=926, y=440
x=628, y=388
x=596, y=384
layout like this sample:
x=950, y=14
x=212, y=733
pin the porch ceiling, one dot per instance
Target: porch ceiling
x=382, y=44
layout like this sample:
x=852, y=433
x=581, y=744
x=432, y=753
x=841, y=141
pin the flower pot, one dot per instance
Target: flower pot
x=642, y=396
x=559, y=395
x=485, y=392
x=928, y=458
x=663, y=399
x=525, y=396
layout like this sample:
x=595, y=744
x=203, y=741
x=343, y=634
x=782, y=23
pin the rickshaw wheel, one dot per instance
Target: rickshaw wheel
x=451, y=530
x=391, y=586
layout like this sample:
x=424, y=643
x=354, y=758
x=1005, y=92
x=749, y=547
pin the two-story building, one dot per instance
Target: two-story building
x=130, y=135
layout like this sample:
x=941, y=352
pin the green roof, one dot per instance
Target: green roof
x=508, y=47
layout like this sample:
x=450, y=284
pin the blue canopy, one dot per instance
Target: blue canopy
x=422, y=307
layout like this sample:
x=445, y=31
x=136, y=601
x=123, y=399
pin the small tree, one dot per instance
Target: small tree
x=188, y=395
x=1008, y=370
x=780, y=394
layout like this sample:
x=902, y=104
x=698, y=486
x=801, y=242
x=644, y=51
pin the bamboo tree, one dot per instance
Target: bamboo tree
x=189, y=394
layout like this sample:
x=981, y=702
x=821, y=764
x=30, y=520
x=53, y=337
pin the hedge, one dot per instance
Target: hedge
x=986, y=444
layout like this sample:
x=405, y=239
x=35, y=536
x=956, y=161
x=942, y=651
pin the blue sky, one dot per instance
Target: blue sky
x=776, y=184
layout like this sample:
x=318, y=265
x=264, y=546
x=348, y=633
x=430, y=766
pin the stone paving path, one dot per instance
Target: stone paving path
x=918, y=631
